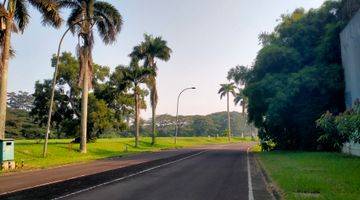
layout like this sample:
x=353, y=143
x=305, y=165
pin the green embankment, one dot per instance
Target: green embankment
x=313, y=175
x=60, y=152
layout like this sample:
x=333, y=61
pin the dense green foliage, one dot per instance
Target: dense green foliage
x=197, y=125
x=340, y=129
x=109, y=104
x=19, y=124
x=111, y=108
x=297, y=75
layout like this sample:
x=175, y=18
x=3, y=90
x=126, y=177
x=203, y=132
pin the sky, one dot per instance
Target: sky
x=208, y=37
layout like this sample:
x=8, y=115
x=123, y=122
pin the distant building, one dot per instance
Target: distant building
x=350, y=52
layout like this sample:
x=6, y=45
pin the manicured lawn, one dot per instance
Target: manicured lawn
x=314, y=175
x=61, y=152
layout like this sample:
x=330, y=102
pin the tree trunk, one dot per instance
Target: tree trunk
x=84, y=104
x=153, y=121
x=153, y=112
x=4, y=76
x=228, y=113
x=153, y=100
x=136, y=119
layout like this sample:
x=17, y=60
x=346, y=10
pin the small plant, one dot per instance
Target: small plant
x=339, y=129
x=331, y=139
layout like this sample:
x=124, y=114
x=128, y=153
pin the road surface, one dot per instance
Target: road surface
x=215, y=174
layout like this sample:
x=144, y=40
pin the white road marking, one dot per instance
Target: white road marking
x=251, y=192
x=131, y=175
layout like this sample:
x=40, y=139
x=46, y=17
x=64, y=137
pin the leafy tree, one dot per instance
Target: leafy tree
x=239, y=74
x=296, y=77
x=136, y=75
x=20, y=125
x=149, y=50
x=198, y=125
x=20, y=100
x=14, y=17
x=100, y=117
x=84, y=14
x=66, y=116
x=226, y=89
x=204, y=126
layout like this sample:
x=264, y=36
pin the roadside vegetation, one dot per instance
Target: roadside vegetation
x=61, y=151
x=294, y=94
x=313, y=175
x=296, y=77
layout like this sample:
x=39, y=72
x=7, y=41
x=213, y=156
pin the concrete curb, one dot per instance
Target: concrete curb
x=270, y=185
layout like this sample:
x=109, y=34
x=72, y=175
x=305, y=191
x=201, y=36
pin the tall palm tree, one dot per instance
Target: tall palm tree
x=150, y=49
x=136, y=75
x=241, y=99
x=225, y=90
x=84, y=15
x=14, y=17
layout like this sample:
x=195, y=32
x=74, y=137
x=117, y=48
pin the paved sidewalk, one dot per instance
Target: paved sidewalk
x=29, y=179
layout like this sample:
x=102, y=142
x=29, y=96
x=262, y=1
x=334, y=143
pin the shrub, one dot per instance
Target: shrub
x=348, y=123
x=339, y=129
x=331, y=139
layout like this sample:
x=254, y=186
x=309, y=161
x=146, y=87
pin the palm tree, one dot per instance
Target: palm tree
x=136, y=75
x=14, y=17
x=241, y=99
x=84, y=15
x=226, y=89
x=149, y=50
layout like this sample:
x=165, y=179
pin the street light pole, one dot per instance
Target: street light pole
x=48, y=125
x=177, y=112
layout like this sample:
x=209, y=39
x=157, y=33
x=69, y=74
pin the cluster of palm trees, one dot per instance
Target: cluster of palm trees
x=84, y=15
x=226, y=90
x=148, y=51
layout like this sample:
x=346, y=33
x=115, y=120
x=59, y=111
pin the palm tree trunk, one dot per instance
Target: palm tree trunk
x=244, y=119
x=4, y=76
x=136, y=119
x=153, y=121
x=84, y=104
x=154, y=100
x=228, y=113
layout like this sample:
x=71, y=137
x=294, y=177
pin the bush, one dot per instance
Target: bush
x=332, y=139
x=348, y=123
x=339, y=129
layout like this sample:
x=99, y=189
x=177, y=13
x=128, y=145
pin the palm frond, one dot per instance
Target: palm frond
x=21, y=15
x=69, y=4
x=74, y=17
x=49, y=10
x=109, y=21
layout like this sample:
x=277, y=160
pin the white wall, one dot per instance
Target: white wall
x=350, y=50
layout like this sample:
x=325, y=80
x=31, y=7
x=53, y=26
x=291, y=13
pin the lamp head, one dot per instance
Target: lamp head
x=193, y=88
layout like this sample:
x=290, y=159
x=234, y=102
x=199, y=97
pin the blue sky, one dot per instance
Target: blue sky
x=208, y=37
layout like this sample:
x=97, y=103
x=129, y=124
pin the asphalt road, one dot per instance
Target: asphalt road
x=219, y=174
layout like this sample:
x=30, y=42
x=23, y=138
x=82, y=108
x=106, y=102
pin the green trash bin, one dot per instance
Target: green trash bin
x=7, y=150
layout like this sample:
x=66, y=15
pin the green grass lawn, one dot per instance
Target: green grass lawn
x=314, y=175
x=61, y=152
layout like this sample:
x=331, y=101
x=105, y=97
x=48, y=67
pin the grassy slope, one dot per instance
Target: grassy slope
x=60, y=152
x=326, y=175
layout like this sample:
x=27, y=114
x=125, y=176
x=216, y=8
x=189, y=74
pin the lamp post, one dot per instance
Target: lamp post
x=177, y=112
x=53, y=84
